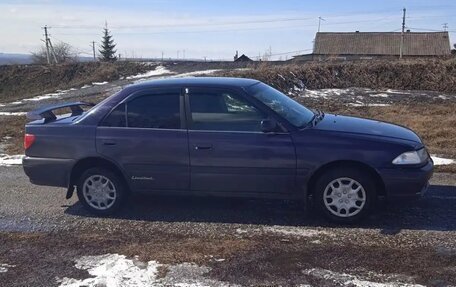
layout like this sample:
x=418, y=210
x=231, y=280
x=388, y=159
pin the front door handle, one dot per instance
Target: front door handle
x=203, y=147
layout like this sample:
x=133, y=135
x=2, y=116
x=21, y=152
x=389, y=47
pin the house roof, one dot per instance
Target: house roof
x=243, y=58
x=383, y=43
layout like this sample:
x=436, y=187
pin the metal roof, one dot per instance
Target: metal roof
x=383, y=43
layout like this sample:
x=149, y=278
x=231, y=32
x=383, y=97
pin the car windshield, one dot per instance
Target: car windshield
x=295, y=113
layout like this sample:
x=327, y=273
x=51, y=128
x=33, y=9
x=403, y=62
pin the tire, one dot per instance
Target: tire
x=101, y=191
x=345, y=195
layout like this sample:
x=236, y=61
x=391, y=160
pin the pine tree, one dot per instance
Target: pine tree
x=108, y=54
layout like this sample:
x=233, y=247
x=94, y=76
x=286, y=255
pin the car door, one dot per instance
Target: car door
x=146, y=136
x=228, y=151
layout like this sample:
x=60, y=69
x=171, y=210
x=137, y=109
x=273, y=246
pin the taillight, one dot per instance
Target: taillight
x=28, y=140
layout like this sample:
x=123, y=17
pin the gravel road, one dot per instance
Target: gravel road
x=46, y=240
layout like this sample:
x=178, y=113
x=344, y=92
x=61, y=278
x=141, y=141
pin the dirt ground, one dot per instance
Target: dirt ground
x=222, y=242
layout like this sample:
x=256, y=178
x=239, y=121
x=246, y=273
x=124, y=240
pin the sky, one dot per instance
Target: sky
x=214, y=29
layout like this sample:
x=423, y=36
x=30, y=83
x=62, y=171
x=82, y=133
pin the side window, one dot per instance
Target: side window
x=116, y=118
x=159, y=111
x=223, y=111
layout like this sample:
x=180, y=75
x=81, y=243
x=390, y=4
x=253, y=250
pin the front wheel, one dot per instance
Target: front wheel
x=345, y=195
x=100, y=191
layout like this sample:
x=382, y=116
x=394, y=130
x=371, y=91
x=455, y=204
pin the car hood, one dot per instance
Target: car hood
x=347, y=124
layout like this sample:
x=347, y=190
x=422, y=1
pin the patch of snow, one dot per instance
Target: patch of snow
x=8, y=160
x=357, y=104
x=282, y=77
x=114, y=270
x=4, y=267
x=378, y=105
x=16, y=103
x=350, y=280
x=86, y=86
x=55, y=95
x=160, y=70
x=379, y=95
x=391, y=91
x=241, y=231
x=326, y=93
x=99, y=83
x=197, y=73
x=361, y=104
x=295, y=231
x=442, y=161
x=13, y=113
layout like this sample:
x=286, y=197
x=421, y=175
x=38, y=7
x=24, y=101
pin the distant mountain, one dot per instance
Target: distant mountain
x=9, y=59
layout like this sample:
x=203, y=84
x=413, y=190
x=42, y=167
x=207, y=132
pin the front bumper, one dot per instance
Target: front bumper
x=48, y=171
x=406, y=181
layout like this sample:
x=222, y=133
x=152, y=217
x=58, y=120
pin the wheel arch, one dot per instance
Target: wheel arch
x=378, y=181
x=89, y=162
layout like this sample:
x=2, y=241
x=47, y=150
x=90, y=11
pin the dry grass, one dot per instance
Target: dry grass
x=22, y=81
x=13, y=128
x=432, y=75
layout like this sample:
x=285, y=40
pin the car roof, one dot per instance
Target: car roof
x=194, y=81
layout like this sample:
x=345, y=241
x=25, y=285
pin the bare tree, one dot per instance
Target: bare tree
x=64, y=53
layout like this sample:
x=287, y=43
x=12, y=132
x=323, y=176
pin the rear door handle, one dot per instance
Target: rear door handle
x=203, y=147
x=109, y=142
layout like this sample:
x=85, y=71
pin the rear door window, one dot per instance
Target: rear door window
x=158, y=111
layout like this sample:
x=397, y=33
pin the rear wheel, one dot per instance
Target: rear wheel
x=345, y=195
x=101, y=191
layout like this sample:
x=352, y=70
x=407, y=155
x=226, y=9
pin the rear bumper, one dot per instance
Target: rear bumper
x=48, y=171
x=406, y=182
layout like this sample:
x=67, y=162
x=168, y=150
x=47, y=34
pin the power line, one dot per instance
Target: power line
x=431, y=30
x=220, y=24
x=185, y=25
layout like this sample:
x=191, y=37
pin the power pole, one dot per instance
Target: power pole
x=46, y=40
x=53, y=51
x=163, y=54
x=93, y=49
x=401, y=52
x=445, y=27
x=319, y=23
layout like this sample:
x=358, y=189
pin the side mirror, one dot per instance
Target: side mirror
x=268, y=126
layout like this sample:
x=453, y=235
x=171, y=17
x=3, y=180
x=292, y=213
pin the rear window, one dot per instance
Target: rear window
x=116, y=118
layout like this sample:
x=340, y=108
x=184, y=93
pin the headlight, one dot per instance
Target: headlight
x=412, y=157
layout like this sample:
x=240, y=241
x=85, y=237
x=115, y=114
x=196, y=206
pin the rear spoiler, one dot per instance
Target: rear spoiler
x=47, y=112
